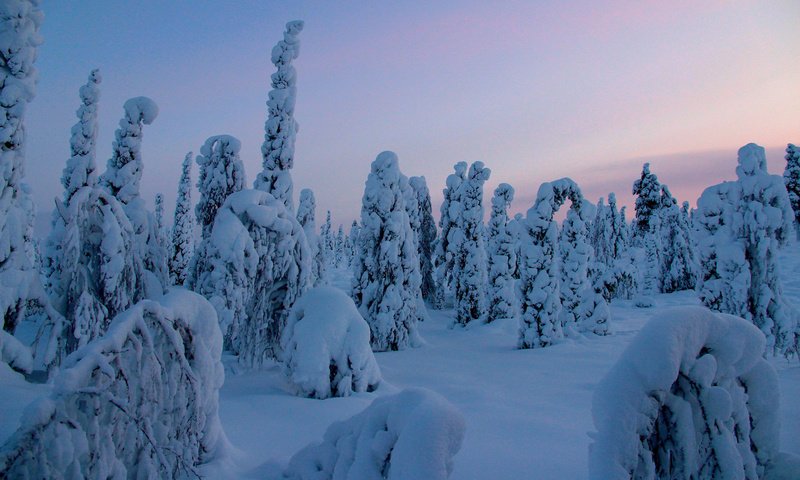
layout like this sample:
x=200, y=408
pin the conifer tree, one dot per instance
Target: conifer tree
x=281, y=128
x=426, y=238
x=306, y=215
x=447, y=246
x=791, y=178
x=470, y=260
x=221, y=174
x=502, y=257
x=386, y=278
x=648, y=201
x=183, y=227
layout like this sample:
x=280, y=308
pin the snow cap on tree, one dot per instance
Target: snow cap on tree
x=281, y=128
x=80, y=170
x=221, y=174
x=502, y=256
x=124, y=169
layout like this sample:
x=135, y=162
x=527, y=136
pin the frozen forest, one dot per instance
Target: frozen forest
x=463, y=324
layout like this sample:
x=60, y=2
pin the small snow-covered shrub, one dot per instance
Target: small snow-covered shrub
x=413, y=435
x=139, y=402
x=691, y=397
x=326, y=350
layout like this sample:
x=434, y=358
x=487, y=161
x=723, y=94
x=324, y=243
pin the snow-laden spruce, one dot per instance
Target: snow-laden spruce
x=447, y=246
x=325, y=346
x=81, y=167
x=281, y=128
x=648, y=201
x=469, y=266
x=386, y=278
x=502, y=257
x=306, y=213
x=20, y=287
x=679, y=266
x=426, y=238
x=742, y=225
x=341, y=259
x=122, y=179
x=411, y=435
x=791, y=178
x=326, y=247
x=140, y=402
x=691, y=397
x=538, y=289
x=252, y=267
x=221, y=174
x=353, y=238
x=182, y=247
x=582, y=310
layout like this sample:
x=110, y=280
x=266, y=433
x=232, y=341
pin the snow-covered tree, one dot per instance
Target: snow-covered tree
x=161, y=227
x=325, y=346
x=679, y=258
x=326, y=242
x=538, y=288
x=182, y=227
x=650, y=266
x=648, y=201
x=791, y=178
x=469, y=269
x=426, y=238
x=353, y=237
x=306, y=216
x=81, y=167
x=19, y=280
x=742, y=225
x=254, y=265
x=582, y=310
x=140, y=402
x=691, y=397
x=281, y=128
x=221, y=174
x=386, y=278
x=446, y=247
x=502, y=257
x=414, y=434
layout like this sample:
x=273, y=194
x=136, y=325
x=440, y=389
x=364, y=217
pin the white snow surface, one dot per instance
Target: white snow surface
x=325, y=346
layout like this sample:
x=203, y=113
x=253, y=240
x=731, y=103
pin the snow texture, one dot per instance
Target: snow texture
x=408, y=436
x=325, y=345
x=182, y=247
x=469, y=266
x=81, y=168
x=691, y=397
x=386, y=278
x=502, y=257
x=252, y=267
x=221, y=174
x=791, y=178
x=538, y=287
x=141, y=402
x=742, y=225
x=281, y=128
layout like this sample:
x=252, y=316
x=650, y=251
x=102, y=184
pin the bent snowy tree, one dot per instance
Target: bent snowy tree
x=325, y=346
x=140, y=402
x=538, y=286
x=411, y=435
x=691, y=397
x=253, y=266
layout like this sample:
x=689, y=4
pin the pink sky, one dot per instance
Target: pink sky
x=536, y=90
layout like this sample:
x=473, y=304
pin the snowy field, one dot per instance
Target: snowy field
x=526, y=410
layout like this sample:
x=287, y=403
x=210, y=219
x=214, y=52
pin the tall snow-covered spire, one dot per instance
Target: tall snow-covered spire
x=124, y=170
x=182, y=226
x=80, y=170
x=280, y=129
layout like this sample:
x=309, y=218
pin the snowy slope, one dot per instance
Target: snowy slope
x=527, y=411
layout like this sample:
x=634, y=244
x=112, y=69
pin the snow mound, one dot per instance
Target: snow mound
x=139, y=402
x=691, y=397
x=411, y=435
x=326, y=350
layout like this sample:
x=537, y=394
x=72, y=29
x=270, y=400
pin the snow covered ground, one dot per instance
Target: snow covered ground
x=527, y=411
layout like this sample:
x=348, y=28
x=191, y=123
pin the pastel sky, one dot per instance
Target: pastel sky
x=537, y=90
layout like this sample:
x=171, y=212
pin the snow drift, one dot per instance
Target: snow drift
x=326, y=350
x=139, y=402
x=412, y=435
